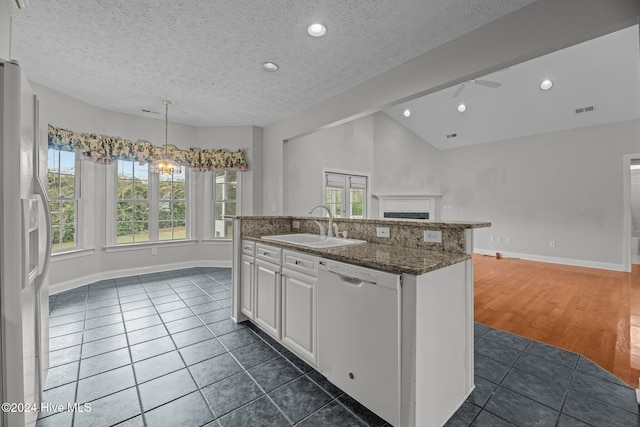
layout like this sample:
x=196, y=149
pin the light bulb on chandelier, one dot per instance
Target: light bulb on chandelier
x=165, y=166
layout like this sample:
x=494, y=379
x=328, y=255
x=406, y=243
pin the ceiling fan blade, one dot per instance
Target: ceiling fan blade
x=487, y=83
x=458, y=91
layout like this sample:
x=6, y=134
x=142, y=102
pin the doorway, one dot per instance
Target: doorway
x=631, y=210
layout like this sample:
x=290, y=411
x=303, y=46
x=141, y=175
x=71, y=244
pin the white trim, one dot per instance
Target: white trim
x=75, y=253
x=114, y=274
x=626, y=210
x=553, y=260
x=217, y=241
x=144, y=245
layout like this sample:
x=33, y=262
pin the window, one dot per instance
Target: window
x=346, y=194
x=63, y=176
x=173, y=207
x=150, y=207
x=133, y=202
x=225, y=193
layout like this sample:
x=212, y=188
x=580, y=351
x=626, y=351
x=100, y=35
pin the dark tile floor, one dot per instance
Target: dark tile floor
x=161, y=350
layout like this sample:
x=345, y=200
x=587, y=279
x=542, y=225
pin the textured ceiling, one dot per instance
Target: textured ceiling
x=603, y=72
x=206, y=56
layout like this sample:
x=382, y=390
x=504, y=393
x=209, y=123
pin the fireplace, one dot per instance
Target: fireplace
x=407, y=206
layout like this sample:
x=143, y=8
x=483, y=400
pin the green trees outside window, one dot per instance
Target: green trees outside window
x=225, y=192
x=172, y=211
x=132, y=217
x=63, y=190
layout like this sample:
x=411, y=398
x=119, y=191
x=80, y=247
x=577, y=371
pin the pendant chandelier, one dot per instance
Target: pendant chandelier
x=165, y=166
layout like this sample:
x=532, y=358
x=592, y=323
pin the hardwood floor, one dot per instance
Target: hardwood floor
x=592, y=312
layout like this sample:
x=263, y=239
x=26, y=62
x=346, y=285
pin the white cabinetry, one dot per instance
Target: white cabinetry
x=299, y=287
x=248, y=291
x=268, y=289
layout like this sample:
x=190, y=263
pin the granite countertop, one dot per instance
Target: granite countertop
x=397, y=259
x=398, y=221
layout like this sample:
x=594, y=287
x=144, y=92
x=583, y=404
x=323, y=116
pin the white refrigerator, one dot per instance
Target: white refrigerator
x=24, y=249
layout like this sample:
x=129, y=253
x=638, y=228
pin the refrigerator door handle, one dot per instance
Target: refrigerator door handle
x=44, y=245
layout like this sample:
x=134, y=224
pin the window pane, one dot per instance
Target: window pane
x=219, y=211
x=140, y=189
x=68, y=212
x=179, y=230
x=228, y=226
x=180, y=211
x=141, y=211
x=125, y=189
x=230, y=208
x=221, y=191
x=125, y=232
x=232, y=177
x=165, y=188
x=179, y=190
x=141, y=230
x=67, y=173
x=68, y=236
x=55, y=212
x=125, y=211
x=53, y=168
x=356, y=206
x=165, y=230
x=164, y=211
x=334, y=200
x=55, y=237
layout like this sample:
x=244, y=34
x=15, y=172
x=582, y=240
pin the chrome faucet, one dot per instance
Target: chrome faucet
x=329, y=231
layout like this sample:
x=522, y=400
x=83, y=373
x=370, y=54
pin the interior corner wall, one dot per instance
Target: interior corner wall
x=69, y=113
x=564, y=187
x=348, y=147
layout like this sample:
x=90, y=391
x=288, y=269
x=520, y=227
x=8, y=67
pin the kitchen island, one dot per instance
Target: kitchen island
x=389, y=320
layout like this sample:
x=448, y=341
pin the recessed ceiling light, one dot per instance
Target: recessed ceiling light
x=406, y=113
x=462, y=108
x=546, y=84
x=317, y=30
x=270, y=66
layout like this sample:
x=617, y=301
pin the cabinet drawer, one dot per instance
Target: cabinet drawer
x=248, y=247
x=307, y=264
x=268, y=253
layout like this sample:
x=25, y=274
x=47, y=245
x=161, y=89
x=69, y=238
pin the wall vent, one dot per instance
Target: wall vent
x=585, y=109
x=452, y=135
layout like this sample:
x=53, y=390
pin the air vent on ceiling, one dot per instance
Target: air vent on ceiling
x=585, y=109
x=144, y=110
x=452, y=135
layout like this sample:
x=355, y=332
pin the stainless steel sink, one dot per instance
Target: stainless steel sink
x=313, y=240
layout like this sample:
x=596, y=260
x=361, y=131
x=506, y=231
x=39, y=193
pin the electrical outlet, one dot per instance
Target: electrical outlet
x=433, y=236
x=499, y=239
x=507, y=240
x=295, y=224
x=154, y=251
x=552, y=243
x=382, y=232
x=491, y=239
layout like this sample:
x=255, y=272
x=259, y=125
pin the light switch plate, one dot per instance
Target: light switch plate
x=295, y=224
x=433, y=236
x=382, y=232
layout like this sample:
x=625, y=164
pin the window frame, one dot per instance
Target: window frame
x=154, y=200
x=210, y=213
x=78, y=224
x=345, y=204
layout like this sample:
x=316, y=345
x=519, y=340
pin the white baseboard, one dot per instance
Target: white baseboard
x=553, y=260
x=56, y=288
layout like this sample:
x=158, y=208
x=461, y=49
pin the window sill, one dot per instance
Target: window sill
x=216, y=241
x=73, y=253
x=145, y=245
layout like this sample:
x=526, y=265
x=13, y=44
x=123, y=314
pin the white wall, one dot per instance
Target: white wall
x=348, y=147
x=564, y=186
x=524, y=34
x=5, y=30
x=66, y=112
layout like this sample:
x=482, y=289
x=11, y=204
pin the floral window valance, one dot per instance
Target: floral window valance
x=106, y=150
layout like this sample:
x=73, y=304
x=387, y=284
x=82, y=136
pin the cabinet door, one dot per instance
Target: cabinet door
x=247, y=289
x=299, y=313
x=267, y=293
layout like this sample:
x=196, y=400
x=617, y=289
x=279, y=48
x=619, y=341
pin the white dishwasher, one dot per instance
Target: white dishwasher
x=359, y=334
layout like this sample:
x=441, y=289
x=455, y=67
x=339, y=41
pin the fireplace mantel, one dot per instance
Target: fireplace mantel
x=408, y=204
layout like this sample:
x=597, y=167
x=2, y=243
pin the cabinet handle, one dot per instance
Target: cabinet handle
x=297, y=262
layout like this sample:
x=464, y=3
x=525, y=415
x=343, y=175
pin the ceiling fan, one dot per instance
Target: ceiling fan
x=486, y=83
